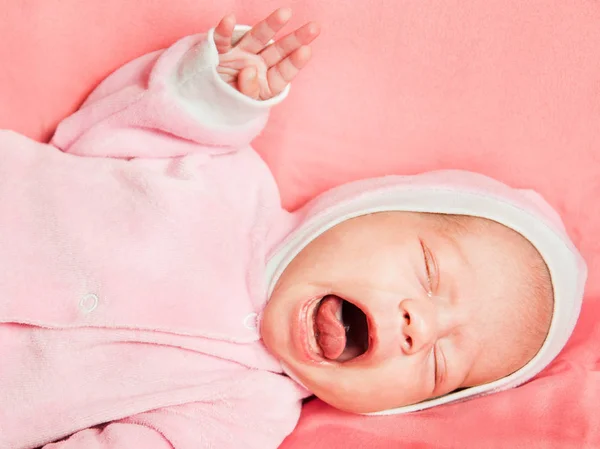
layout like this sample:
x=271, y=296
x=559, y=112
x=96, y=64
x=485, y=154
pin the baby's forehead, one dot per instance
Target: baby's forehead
x=508, y=286
x=459, y=227
x=502, y=255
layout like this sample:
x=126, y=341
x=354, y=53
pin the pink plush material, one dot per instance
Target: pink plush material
x=508, y=88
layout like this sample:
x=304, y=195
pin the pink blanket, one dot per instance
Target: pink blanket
x=509, y=88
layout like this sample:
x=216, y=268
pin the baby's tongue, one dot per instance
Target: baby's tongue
x=331, y=333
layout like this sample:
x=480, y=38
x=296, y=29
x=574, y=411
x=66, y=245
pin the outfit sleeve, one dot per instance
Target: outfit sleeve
x=166, y=104
x=252, y=415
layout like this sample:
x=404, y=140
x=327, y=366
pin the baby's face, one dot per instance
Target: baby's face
x=390, y=309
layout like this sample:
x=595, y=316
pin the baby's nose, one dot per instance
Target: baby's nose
x=419, y=326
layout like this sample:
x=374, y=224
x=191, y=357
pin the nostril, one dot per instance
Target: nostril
x=409, y=342
x=407, y=318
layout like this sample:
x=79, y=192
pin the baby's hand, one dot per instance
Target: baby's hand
x=256, y=69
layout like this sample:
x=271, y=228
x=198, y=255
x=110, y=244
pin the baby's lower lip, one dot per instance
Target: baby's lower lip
x=305, y=335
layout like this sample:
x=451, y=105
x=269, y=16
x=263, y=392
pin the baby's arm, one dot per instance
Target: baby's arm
x=257, y=412
x=207, y=93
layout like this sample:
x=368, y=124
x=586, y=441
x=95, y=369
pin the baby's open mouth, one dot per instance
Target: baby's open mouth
x=341, y=329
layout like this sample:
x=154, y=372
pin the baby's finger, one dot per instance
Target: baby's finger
x=286, y=45
x=248, y=82
x=261, y=33
x=280, y=75
x=223, y=33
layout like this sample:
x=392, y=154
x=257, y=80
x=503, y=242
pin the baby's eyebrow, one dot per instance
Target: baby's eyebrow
x=457, y=247
x=449, y=277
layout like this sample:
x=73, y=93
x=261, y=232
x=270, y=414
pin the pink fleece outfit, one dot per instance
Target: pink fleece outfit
x=132, y=273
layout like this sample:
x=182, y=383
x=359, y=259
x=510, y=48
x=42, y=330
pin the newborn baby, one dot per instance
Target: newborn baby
x=409, y=306
x=153, y=292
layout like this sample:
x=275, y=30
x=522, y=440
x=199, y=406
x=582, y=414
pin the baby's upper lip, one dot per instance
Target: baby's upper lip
x=371, y=329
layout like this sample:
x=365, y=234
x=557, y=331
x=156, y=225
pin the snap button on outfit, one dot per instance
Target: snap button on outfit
x=88, y=302
x=251, y=321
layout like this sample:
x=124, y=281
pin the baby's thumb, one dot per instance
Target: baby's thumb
x=248, y=82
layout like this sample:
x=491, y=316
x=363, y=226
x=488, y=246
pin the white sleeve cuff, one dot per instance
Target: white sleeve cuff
x=206, y=96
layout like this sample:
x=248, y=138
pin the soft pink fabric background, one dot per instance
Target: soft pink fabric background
x=509, y=88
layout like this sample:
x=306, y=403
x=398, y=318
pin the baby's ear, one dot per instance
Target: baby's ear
x=542, y=207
